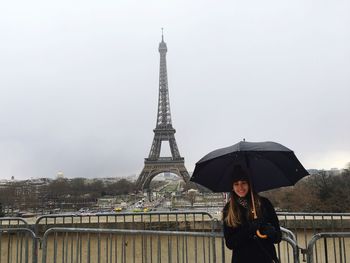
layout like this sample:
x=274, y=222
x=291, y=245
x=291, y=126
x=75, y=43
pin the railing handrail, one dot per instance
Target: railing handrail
x=9, y=219
x=150, y=232
x=18, y=229
x=289, y=233
x=128, y=231
x=124, y=214
x=310, y=214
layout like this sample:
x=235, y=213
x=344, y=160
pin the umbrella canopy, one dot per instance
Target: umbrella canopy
x=269, y=164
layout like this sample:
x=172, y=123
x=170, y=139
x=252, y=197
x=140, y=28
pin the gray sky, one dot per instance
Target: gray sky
x=79, y=81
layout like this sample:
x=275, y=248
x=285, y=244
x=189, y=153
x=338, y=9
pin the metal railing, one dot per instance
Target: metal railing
x=12, y=222
x=116, y=245
x=329, y=247
x=167, y=220
x=18, y=245
x=283, y=251
x=304, y=229
x=306, y=225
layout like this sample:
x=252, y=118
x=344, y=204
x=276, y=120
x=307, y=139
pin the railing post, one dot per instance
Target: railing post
x=213, y=223
x=35, y=250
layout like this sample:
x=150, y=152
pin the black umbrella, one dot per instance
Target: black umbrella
x=269, y=164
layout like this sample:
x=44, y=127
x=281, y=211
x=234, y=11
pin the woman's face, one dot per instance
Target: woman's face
x=240, y=188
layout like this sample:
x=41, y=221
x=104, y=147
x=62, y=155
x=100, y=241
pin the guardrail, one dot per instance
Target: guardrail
x=18, y=245
x=314, y=221
x=11, y=222
x=334, y=248
x=117, y=245
x=306, y=225
x=121, y=245
x=283, y=251
x=167, y=220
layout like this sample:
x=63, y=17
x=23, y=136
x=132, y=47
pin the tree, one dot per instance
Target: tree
x=191, y=195
x=324, y=185
x=2, y=214
x=120, y=187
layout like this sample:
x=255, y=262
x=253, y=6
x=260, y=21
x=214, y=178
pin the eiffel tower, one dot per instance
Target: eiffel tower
x=164, y=131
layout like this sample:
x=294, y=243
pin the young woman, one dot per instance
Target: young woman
x=240, y=227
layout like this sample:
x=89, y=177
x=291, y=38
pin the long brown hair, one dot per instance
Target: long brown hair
x=233, y=216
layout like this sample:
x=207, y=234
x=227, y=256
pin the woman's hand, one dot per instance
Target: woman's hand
x=269, y=230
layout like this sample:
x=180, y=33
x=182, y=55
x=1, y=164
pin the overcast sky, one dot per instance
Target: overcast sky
x=79, y=81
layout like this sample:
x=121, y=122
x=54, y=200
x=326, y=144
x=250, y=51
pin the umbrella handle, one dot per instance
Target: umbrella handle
x=254, y=209
x=255, y=217
x=260, y=235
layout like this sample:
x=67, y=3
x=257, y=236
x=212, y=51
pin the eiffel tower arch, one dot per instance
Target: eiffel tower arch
x=164, y=131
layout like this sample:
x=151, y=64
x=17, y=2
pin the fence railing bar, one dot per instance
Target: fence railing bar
x=315, y=238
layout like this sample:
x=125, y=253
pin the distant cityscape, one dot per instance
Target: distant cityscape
x=33, y=197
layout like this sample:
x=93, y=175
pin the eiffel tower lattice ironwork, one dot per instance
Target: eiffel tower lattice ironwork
x=164, y=131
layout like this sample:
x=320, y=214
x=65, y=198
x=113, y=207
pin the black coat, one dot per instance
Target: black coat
x=245, y=245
